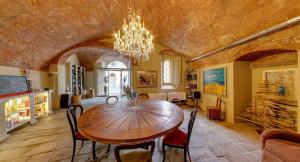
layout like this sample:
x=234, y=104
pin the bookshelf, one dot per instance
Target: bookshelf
x=75, y=79
x=190, y=85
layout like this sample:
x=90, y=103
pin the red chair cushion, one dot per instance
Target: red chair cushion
x=177, y=138
x=79, y=136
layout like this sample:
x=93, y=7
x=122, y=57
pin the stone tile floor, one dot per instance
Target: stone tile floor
x=50, y=140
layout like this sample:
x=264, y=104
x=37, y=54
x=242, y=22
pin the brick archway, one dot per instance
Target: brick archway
x=90, y=45
x=275, y=47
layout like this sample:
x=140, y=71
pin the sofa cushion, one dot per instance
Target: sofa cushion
x=284, y=150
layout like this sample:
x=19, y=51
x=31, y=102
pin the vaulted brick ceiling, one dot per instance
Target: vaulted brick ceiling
x=34, y=32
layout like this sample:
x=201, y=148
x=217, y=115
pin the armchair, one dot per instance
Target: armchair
x=280, y=145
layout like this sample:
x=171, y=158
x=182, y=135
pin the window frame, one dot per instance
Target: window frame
x=170, y=71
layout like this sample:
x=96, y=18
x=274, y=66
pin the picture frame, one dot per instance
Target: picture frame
x=13, y=84
x=146, y=79
x=282, y=77
x=215, y=82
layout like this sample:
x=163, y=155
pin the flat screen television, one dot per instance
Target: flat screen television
x=13, y=85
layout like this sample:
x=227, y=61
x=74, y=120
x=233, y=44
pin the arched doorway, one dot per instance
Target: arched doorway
x=113, y=78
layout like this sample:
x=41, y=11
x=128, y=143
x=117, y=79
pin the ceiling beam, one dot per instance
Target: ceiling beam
x=273, y=29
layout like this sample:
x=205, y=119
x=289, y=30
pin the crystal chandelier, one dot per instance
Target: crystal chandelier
x=134, y=40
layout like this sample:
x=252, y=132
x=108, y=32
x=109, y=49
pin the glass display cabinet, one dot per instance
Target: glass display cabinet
x=17, y=112
x=19, y=109
x=41, y=104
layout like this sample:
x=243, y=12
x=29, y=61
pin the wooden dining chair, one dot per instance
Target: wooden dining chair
x=112, y=100
x=214, y=112
x=180, y=139
x=176, y=101
x=139, y=153
x=72, y=118
x=143, y=96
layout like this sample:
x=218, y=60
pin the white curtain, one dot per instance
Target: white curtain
x=175, y=69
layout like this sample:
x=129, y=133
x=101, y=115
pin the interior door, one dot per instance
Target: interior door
x=114, y=82
x=102, y=82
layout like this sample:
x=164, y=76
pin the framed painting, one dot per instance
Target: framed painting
x=146, y=79
x=284, y=81
x=13, y=84
x=214, y=82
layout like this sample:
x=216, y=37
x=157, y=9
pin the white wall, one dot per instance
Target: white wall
x=73, y=59
x=58, y=79
x=90, y=79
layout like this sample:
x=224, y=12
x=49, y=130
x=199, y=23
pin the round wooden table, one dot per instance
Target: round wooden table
x=122, y=123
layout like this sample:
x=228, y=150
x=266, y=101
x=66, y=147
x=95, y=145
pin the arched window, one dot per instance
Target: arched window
x=117, y=64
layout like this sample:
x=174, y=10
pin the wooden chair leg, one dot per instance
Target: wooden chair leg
x=74, y=148
x=108, y=148
x=185, y=152
x=188, y=150
x=94, y=151
x=117, y=154
x=164, y=152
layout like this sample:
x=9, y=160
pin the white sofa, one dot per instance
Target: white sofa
x=157, y=96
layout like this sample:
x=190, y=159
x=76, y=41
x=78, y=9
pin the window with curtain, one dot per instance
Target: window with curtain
x=171, y=70
x=167, y=71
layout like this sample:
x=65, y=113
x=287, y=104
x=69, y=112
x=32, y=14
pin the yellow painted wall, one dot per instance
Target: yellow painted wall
x=242, y=86
x=238, y=80
x=210, y=100
x=154, y=64
x=242, y=83
x=257, y=77
x=298, y=91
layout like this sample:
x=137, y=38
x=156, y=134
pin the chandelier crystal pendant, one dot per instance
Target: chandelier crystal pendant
x=134, y=40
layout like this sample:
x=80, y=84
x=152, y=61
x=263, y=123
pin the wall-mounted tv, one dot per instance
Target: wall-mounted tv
x=13, y=85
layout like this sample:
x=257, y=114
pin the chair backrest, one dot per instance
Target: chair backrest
x=218, y=104
x=112, y=100
x=143, y=96
x=191, y=125
x=72, y=117
x=134, y=146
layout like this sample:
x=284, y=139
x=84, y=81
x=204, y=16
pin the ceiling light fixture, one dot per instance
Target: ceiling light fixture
x=134, y=40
